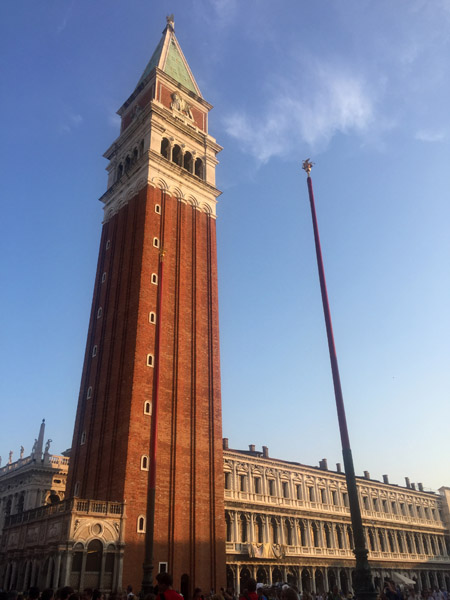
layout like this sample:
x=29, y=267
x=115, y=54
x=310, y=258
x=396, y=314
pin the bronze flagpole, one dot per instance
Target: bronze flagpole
x=363, y=579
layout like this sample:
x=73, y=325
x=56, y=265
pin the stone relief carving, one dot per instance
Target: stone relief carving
x=180, y=105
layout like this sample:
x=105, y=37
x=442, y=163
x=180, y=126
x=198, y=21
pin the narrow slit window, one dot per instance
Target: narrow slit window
x=144, y=463
x=76, y=491
x=154, y=279
x=108, y=244
x=156, y=242
x=141, y=524
x=152, y=317
x=94, y=351
x=104, y=277
x=83, y=438
x=99, y=312
x=150, y=360
x=147, y=408
x=158, y=209
x=89, y=392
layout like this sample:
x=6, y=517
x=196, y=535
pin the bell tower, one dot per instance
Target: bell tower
x=161, y=195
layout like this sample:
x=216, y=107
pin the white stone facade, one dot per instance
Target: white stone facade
x=291, y=522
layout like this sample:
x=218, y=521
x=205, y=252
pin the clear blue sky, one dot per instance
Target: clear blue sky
x=363, y=89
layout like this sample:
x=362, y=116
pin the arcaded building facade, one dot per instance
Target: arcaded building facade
x=287, y=522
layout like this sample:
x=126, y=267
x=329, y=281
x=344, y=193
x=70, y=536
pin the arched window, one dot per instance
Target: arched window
x=199, y=167
x=165, y=148
x=177, y=156
x=141, y=524
x=381, y=540
x=243, y=528
x=94, y=556
x=119, y=171
x=339, y=538
x=302, y=533
x=8, y=507
x=144, y=463
x=110, y=555
x=135, y=155
x=150, y=360
x=141, y=148
x=315, y=534
x=89, y=392
x=400, y=542
x=350, y=537
x=188, y=162
x=277, y=577
x=326, y=530
x=371, y=541
x=20, y=503
x=287, y=532
x=391, y=542
x=83, y=438
x=127, y=163
x=99, y=312
x=261, y=576
x=274, y=531
x=147, y=408
x=228, y=524
x=409, y=544
x=259, y=530
x=154, y=279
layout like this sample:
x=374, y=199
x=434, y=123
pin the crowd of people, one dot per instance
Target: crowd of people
x=253, y=591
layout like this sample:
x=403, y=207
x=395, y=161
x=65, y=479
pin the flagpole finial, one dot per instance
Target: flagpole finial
x=307, y=165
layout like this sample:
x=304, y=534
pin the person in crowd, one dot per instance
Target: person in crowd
x=229, y=594
x=65, y=592
x=249, y=591
x=288, y=593
x=47, y=594
x=33, y=593
x=260, y=591
x=165, y=591
x=197, y=594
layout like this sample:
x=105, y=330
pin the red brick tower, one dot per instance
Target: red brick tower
x=161, y=194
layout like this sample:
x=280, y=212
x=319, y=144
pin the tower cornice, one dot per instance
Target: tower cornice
x=160, y=75
x=157, y=172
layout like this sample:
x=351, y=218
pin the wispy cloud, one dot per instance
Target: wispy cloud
x=428, y=135
x=308, y=110
x=60, y=28
x=70, y=121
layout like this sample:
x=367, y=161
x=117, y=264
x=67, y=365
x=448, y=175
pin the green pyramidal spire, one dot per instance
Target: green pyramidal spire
x=169, y=57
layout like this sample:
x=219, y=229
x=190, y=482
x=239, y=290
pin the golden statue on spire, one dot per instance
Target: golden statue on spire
x=307, y=165
x=171, y=22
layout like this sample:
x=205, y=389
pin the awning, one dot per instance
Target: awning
x=400, y=578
